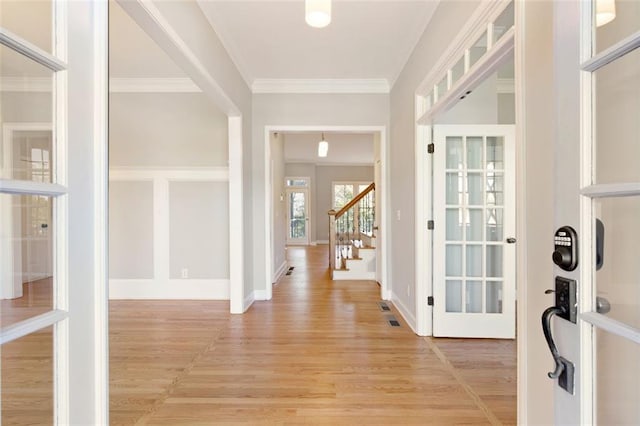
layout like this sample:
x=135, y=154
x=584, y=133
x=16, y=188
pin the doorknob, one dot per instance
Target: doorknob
x=511, y=240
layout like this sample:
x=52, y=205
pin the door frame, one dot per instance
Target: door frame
x=381, y=192
x=305, y=190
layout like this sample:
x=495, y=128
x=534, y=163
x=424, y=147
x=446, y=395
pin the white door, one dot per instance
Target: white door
x=597, y=177
x=474, y=223
x=297, y=216
x=52, y=198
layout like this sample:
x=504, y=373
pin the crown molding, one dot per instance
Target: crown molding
x=153, y=85
x=116, y=85
x=314, y=86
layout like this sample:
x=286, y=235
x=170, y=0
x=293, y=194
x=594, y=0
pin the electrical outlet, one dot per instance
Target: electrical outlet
x=184, y=273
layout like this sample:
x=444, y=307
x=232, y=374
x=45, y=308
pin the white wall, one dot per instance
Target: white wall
x=159, y=144
x=307, y=110
x=279, y=203
x=445, y=24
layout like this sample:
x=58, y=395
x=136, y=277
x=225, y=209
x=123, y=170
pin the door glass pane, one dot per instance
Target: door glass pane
x=453, y=260
x=495, y=224
x=474, y=296
x=616, y=115
x=30, y=19
x=297, y=182
x=458, y=70
x=618, y=281
x=27, y=257
x=297, y=215
x=474, y=152
x=495, y=153
x=454, y=225
x=454, y=296
x=475, y=225
x=494, y=297
x=453, y=190
x=474, y=181
x=625, y=23
x=474, y=260
x=617, y=380
x=495, y=188
x=455, y=158
x=27, y=149
x=503, y=23
x=494, y=261
x=478, y=49
x=26, y=387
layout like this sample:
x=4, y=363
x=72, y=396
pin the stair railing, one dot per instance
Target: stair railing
x=347, y=224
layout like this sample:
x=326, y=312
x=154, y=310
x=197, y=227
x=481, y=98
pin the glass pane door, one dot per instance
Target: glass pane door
x=474, y=208
x=297, y=216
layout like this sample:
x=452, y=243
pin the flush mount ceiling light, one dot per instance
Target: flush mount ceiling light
x=605, y=12
x=317, y=13
x=323, y=147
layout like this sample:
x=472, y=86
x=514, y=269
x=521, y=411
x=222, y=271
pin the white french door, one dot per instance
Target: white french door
x=474, y=217
x=53, y=79
x=297, y=216
x=597, y=173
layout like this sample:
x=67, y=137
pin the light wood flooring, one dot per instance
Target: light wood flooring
x=321, y=352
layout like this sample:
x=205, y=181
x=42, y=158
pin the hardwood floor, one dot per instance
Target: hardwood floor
x=321, y=352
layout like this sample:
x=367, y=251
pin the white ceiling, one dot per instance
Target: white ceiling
x=344, y=148
x=367, y=39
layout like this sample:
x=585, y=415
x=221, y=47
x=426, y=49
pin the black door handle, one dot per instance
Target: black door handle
x=546, y=328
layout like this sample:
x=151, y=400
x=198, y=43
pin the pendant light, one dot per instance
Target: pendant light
x=317, y=13
x=323, y=147
x=605, y=12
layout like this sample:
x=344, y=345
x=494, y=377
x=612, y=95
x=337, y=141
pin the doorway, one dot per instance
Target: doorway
x=297, y=213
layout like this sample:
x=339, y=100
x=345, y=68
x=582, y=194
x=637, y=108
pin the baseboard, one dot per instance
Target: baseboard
x=248, y=301
x=169, y=289
x=409, y=318
x=353, y=275
x=279, y=272
x=314, y=243
x=318, y=242
x=260, y=295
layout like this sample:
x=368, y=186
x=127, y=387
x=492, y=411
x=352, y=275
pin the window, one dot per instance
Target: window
x=343, y=192
x=297, y=181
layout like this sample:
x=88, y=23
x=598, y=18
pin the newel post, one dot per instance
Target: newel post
x=332, y=239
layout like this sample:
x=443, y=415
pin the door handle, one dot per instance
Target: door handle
x=546, y=328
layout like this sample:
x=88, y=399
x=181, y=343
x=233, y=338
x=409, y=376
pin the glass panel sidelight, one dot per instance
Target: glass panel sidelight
x=618, y=281
x=442, y=87
x=617, y=87
x=454, y=296
x=297, y=182
x=39, y=14
x=297, y=215
x=624, y=24
x=27, y=257
x=26, y=149
x=478, y=49
x=617, y=381
x=457, y=70
x=26, y=385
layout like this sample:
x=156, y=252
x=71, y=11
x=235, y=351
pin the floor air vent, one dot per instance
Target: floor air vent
x=393, y=322
x=384, y=307
x=290, y=270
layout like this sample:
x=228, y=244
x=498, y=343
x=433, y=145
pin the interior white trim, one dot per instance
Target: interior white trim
x=26, y=84
x=261, y=295
x=175, y=289
x=8, y=186
x=612, y=326
x=236, y=217
x=215, y=174
x=329, y=164
x=477, y=23
x=406, y=314
x=612, y=190
x=326, y=85
x=248, y=301
x=153, y=85
x=22, y=328
x=322, y=242
x=614, y=52
x=384, y=197
x=31, y=51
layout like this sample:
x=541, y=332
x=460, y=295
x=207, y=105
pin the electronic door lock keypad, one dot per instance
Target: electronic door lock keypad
x=565, y=253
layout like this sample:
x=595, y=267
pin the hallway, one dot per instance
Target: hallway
x=321, y=352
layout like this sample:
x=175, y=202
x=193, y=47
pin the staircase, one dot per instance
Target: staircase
x=352, y=248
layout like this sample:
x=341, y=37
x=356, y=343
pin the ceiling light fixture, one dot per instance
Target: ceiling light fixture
x=323, y=147
x=605, y=12
x=317, y=13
